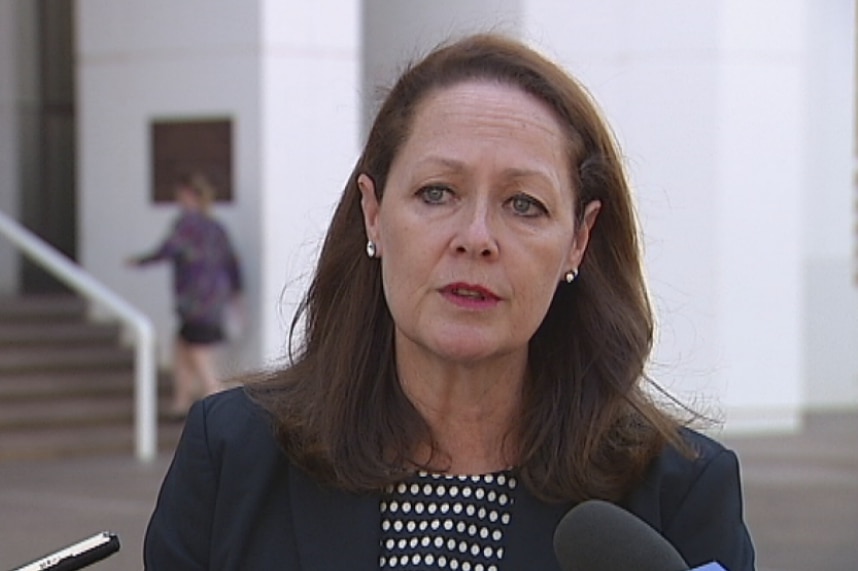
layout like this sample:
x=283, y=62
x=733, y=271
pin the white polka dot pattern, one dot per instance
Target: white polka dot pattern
x=436, y=521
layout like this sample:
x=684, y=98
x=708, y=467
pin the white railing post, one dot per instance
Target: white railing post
x=145, y=396
x=145, y=380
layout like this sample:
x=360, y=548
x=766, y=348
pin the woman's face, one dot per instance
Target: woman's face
x=476, y=227
x=186, y=197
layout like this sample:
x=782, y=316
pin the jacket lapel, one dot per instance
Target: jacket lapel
x=334, y=529
x=530, y=536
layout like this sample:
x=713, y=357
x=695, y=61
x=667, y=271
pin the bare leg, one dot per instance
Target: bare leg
x=202, y=359
x=183, y=377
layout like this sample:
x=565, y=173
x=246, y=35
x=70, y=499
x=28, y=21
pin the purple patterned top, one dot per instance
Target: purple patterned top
x=206, y=271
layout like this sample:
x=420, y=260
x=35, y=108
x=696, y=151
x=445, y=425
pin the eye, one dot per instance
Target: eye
x=434, y=194
x=525, y=205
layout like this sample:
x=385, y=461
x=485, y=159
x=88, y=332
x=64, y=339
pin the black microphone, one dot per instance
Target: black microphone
x=599, y=536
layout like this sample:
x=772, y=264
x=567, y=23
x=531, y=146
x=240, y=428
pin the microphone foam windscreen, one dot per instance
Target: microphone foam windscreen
x=600, y=536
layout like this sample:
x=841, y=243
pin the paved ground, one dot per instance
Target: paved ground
x=801, y=495
x=801, y=498
x=47, y=505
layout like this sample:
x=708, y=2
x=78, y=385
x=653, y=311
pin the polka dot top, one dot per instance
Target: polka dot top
x=437, y=521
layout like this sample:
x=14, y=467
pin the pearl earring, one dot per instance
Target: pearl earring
x=370, y=248
x=571, y=275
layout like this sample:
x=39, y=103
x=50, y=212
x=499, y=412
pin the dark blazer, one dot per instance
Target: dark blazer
x=232, y=500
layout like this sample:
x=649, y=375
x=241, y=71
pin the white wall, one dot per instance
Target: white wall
x=143, y=61
x=829, y=209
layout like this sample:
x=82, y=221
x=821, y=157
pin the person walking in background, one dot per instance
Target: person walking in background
x=206, y=279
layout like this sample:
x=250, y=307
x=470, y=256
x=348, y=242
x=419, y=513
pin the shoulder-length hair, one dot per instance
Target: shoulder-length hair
x=588, y=428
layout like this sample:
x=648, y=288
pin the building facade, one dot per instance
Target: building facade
x=736, y=119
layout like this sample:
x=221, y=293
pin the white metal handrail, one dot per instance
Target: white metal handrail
x=145, y=386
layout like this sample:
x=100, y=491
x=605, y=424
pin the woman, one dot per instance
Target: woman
x=206, y=278
x=472, y=358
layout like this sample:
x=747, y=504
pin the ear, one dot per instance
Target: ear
x=370, y=206
x=582, y=234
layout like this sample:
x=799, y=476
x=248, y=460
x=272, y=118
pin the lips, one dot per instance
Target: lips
x=470, y=292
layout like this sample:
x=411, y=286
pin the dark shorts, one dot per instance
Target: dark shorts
x=201, y=333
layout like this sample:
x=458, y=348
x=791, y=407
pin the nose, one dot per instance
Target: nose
x=476, y=233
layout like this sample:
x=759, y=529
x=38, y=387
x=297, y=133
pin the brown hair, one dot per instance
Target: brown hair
x=199, y=184
x=588, y=428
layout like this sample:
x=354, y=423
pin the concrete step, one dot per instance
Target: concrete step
x=52, y=444
x=71, y=383
x=67, y=384
x=35, y=359
x=56, y=333
x=41, y=308
x=67, y=412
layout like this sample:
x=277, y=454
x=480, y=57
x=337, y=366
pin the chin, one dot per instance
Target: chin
x=466, y=352
x=461, y=345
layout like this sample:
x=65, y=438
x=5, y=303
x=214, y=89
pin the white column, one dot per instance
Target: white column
x=396, y=33
x=830, y=208
x=309, y=93
x=763, y=152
